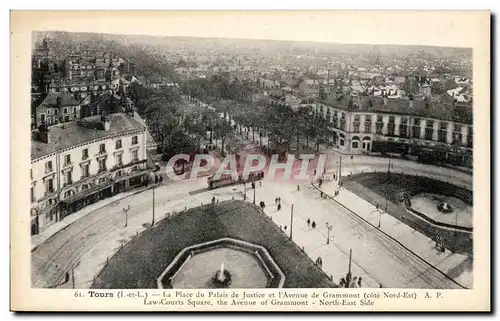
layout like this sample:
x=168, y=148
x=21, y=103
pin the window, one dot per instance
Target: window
x=443, y=132
x=429, y=130
x=85, y=153
x=48, y=167
x=135, y=155
x=48, y=112
x=85, y=170
x=66, y=119
x=67, y=160
x=68, y=178
x=56, y=112
x=102, y=165
x=354, y=144
x=102, y=148
x=65, y=110
x=470, y=136
x=356, y=127
x=134, y=140
x=118, y=160
x=32, y=194
x=74, y=110
x=415, y=130
x=49, y=186
x=356, y=117
x=118, y=144
x=391, y=126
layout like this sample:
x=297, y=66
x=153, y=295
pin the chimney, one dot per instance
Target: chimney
x=410, y=102
x=105, y=122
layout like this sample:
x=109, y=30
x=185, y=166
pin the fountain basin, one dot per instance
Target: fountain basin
x=246, y=265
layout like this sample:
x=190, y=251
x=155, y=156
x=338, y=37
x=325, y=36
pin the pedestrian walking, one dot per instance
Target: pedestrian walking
x=313, y=224
x=213, y=200
x=352, y=156
x=279, y=200
x=308, y=221
x=260, y=183
x=314, y=172
x=342, y=282
x=298, y=187
x=276, y=200
x=321, y=194
x=284, y=228
x=359, y=282
x=279, y=206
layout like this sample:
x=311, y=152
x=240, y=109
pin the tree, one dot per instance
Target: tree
x=222, y=131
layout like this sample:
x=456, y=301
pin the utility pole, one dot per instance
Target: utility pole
x=340, y=168
x=329, y=228
x=291, y=223
x=153, y=221
x=387, y=183
x=350, y=260
x=125, y=210
x=254, y=195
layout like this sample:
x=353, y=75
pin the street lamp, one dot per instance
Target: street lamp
x=125, y=210
x=329, y=228
x=153, y=221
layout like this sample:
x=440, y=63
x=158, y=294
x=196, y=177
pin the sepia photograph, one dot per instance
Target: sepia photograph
x=166, y=164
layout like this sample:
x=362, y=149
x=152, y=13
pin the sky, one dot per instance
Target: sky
x=452, y=29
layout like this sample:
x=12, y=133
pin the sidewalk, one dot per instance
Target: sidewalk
x=38, y=239
x=312, y=240
x=417, y=242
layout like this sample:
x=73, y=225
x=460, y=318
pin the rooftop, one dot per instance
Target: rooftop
x=66, y=135
x=61, y=99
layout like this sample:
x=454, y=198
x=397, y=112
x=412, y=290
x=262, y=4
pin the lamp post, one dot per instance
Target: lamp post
x=125, y=210
x=387, y=184
x=153, y=221
x=291, y=222
x=329, y=228
x=254, y=193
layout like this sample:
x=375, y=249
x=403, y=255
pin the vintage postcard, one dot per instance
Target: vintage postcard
x=250, y=161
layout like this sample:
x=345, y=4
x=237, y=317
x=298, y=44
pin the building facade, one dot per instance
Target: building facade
x=82, y=162
x=371, y=131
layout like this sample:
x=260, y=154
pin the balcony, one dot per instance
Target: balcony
x=49, y=192
x=68, y=183
x=85, y=157
x=49, y=170
x=101, y=170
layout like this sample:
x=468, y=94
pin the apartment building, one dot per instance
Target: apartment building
x=79, y=163
x=363, y=124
